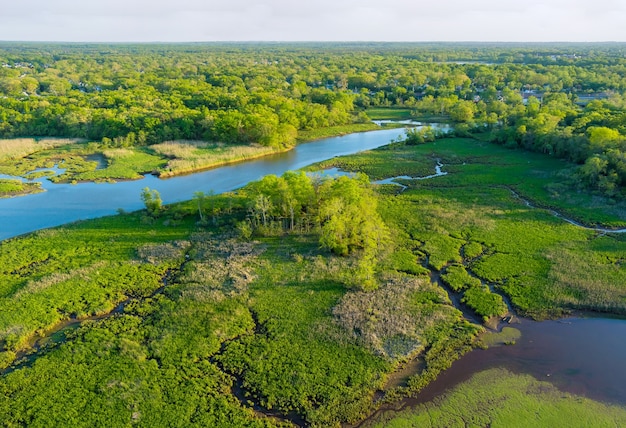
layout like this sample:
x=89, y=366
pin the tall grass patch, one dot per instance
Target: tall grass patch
x=189, y=156
x=17, y=148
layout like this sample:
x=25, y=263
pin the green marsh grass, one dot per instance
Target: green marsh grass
x=484, y=302
x=381, y=113
x=122, y=164
x=74, y=158
x=523, y=250
x=507, y=336
x=334, y=131
x=11, y=187
x=457, y=278
x=75, y=271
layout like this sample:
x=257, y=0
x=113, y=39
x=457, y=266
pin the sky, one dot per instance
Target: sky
x=317, y=20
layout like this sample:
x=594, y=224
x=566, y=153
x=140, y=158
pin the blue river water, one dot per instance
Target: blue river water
x=66, y=203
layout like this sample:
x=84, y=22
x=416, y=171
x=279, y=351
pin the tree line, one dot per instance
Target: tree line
x=566, y=100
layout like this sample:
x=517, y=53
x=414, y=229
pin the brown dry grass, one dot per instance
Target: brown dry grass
x=389, y=321
x=188, y=156
x=17, y=148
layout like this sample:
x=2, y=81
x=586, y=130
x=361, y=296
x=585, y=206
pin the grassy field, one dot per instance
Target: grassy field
x=334, y=131
x=498, y=398
x=382, y=113
x=86, y=269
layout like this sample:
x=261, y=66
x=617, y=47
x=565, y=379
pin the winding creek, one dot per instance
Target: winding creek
x=562, y=217
x=581, y=355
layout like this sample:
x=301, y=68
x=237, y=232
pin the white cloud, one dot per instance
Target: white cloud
x=394, y=20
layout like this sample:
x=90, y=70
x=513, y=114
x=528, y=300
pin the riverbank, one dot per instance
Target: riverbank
x=82, y=162
x=65, y=203
x=498, y=397
x=189, y=157
x=10, y=188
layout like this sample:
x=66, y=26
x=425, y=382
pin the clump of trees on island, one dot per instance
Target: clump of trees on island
x=343, y=210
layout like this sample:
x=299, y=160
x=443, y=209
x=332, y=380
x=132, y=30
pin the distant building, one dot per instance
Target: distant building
x=584, y=99
x=531, y=93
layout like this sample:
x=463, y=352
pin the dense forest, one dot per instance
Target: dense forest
x=564, y=100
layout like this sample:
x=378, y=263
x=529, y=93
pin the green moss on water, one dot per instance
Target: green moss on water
x=507, y=336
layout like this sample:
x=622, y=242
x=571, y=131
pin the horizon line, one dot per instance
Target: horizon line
x=316, y=41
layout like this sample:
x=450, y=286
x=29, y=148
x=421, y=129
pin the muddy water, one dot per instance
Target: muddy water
x=583, y=356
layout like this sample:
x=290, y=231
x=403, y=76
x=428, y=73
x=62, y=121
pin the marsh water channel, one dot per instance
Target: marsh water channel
x=580, y=355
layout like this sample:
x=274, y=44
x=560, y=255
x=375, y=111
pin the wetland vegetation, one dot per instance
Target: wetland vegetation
x=12, y=187
x=275, y=317
x=302, y=299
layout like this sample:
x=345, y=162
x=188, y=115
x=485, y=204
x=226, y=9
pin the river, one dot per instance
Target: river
x=66, y=203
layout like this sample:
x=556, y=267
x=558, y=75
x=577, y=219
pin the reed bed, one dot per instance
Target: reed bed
x=188, y=156
x=17, y=148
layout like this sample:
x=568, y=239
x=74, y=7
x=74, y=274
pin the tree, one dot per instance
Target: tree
x=299, y=195
x=463, y=111
x=418, y=136
x=200, y=197
x=152, y=201
x=261, y=208
x=351, y=224
x=601, y=138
